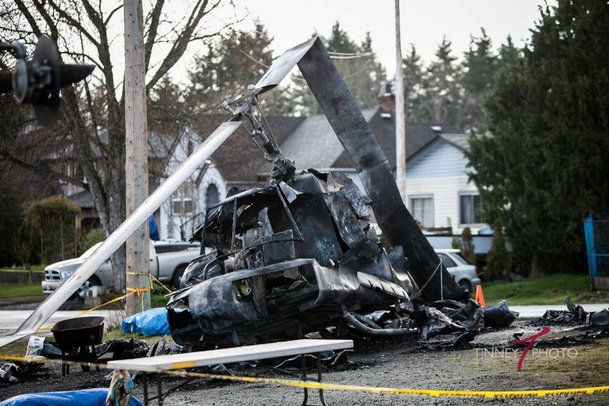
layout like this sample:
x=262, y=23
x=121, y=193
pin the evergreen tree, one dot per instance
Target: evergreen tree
x=498, y=258
x=480, y=63
x=339, y=41
x=357, y=64
x=467, y=245
x=442, y=94
x=480, y=66
x=545, y=167
x=508, y=55
x=413, y=72
x=231, y=63
x=166, y=112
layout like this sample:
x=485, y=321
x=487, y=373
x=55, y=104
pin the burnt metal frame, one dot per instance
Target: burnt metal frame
x=84, y=354
x=234, y=200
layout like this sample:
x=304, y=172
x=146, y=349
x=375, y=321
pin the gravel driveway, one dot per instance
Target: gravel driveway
x=399, y=362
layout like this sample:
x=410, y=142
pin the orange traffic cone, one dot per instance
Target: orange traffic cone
x=480, y=296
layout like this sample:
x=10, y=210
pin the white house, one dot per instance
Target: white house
x=236, y=163
x=439, y=194
x=179, y=216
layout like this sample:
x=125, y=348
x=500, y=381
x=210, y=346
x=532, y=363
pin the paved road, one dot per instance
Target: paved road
x=534, y=312
x=12, y=319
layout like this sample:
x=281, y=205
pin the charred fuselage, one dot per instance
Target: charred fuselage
x=286, y=260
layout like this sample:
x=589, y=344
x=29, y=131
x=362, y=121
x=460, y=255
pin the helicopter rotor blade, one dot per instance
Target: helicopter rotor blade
x=71, y=74
x=282, y=66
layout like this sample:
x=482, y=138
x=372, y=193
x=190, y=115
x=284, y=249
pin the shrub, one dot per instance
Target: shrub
x=93, y=237
x=467, y=245
x=498, y=261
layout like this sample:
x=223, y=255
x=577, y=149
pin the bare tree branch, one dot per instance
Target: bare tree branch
x=47, y=19
x=184, y=38
x=153, y=25
x=31, y=20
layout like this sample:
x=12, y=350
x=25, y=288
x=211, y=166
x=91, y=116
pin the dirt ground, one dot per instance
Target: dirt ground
x=576, y=360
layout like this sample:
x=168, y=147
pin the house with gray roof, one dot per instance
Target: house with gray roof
x=313, y=144
x=438, y=192
x=236, y=163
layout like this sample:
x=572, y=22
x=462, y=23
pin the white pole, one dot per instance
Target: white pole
x=400, y=117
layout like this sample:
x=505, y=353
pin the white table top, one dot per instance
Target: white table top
x=230, y=355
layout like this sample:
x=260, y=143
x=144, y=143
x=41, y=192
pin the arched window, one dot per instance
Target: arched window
x=212, y=197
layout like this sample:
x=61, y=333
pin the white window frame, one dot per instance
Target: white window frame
x=183, y=198
x=209, y=200
x=472, y=205
x=413, y=210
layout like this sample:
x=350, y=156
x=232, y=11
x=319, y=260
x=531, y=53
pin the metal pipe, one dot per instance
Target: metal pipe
x=377, y=332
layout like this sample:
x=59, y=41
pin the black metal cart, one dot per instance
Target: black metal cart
x=77, y=338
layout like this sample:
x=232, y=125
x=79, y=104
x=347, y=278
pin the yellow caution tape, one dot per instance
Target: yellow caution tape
x=132, y=291
x=159, y=282
x=329, y=386
x=140, y=292
x=151, y=279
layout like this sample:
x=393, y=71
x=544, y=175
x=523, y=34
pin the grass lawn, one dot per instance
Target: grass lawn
x=547, y=290
x=34, y=268
x=17, y=290
x=10, y=290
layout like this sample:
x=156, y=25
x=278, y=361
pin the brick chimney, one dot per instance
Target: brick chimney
x=386, y=98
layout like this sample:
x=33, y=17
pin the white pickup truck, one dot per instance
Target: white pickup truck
x=168, y=260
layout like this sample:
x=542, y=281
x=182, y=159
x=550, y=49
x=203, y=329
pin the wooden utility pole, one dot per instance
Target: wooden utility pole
x=136, y=172
x=400, y=117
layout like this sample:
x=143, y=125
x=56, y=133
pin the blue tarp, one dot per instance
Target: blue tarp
x=151, y=322
x=85, y=397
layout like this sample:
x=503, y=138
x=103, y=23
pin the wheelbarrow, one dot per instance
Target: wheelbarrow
x=77, y=338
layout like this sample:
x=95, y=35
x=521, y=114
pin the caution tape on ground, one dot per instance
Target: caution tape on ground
x=308, y=384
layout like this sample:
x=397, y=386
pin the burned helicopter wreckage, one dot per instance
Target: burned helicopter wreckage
x=321, y=261
x=301, y=256
x=319, y=267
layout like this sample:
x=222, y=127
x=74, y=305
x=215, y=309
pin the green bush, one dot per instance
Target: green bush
x=467, y=245
x=93, y=237
x=498, y=261
x=455, y=243
x=50, y=229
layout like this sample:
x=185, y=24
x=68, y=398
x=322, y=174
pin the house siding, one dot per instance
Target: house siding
x=441, y=160
x=440, y=172
x=176, y=226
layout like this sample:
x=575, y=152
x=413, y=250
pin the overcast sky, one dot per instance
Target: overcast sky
x=423, y=22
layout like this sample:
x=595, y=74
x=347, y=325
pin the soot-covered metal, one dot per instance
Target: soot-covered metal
x=322, y=259
x=301, y=256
